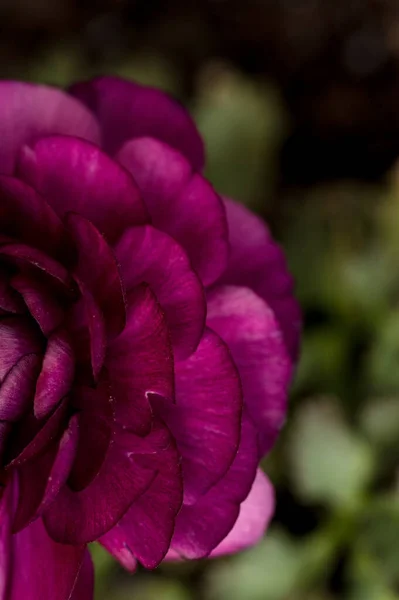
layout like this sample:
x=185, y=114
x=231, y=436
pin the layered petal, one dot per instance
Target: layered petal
x=76, y=176
x=56, y=375
x=146, y=529
x=206, y=419
x=180, y=202
x=41, y=479
x=18, y=388
x=84, y=585
x=251, y=331
x=43, y=304
x=97, y=269
x=202, y=526
x=10, y=301
x=256, y=261
x=31, y=437
x=18, y=337
x=253, y=520
x=140, y=362
x=83, y=516
x=146, y=254
x=88, y=331
x=34, y=566
x=25, y=215
x=128, y=110
x=32, y=111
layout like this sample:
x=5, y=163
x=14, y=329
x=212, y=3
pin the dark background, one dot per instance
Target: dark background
x=298, y=101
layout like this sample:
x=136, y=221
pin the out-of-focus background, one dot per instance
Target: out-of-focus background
x=298, y=101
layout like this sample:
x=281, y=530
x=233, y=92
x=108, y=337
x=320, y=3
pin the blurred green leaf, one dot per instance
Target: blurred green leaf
x=151, y=589
x=149, y=69
x=366, y=581
x=242, y=123
x=104, y=566
x=379, y=419
x=323, y=360
x=378, y=537
x=269, y=571
x=382, y=364
x=329, y=462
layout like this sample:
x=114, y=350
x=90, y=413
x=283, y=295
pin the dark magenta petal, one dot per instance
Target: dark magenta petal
x=41, y=301
x=18, y=387
x=84, y=516
x=56, y=376
x=140, y=361
x=32, y=437
x=94, y=439
x=128, y=110
x=7, y=502
x=98, y=270
x=146, y=254
x=26, y=216
x=256, y=261
x=181, y=203
x=5, y=430
x=84, y=587
x=62, y=465
x=75, y=176
x=205, y=421
x=18, y=337
x=32, y=111
x=202, y=526
x=88, y=332
x=254, y=337
x=10, y=300
x=255, y=514
x=146, y=529
x=41, y=479
x=27, y=255
x=34, y=566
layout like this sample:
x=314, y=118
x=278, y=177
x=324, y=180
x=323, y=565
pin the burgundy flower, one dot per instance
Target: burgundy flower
x=147, y=333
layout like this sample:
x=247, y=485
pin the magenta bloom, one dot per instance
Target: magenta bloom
x=148, y=334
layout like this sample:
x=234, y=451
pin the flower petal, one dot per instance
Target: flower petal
x=88, y=332
x=34, y=566
x=251, y=331
x=42, y=303
x=18, y=337
x=84, y=516
x=75, y=176
x=257, y=262
x=207, y=416
x=128, y=110
x=31, y=437
x=18, y=387
x=140, y=361
x=98, y=270
x=255, y=514
x=56, y=376
x=10, y=301
x=18, y=254
x=84, y=587
x=94, y=439
x=32, y=111
x=201, y=527
x=41, y=479
x=146, y=529
x=146, y=254
x=181, y=203
x=26, y=216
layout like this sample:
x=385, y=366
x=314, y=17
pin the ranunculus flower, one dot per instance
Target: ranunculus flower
x=147, y=332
